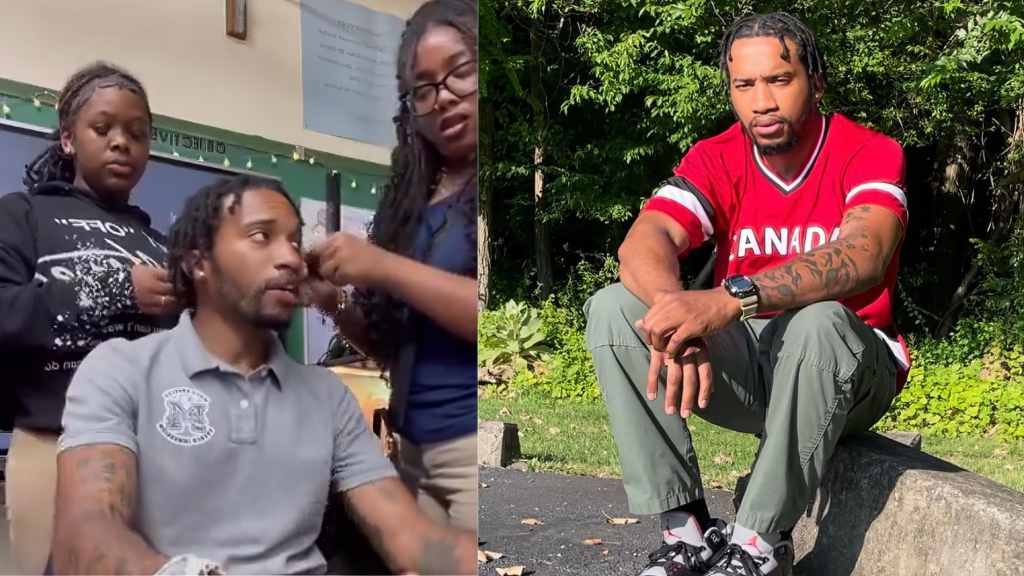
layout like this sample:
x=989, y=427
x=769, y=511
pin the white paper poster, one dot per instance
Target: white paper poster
x=349, y=63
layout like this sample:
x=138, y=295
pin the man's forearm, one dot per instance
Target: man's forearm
x=849, y=265
x=95, y=543
x=649, y=266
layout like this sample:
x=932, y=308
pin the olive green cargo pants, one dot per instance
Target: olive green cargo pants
x=801, y=380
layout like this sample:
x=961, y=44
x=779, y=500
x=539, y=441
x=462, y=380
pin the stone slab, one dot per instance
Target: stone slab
x=497, y=443
x=886, y=509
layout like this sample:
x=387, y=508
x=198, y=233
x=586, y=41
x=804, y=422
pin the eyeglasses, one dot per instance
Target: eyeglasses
x=461, y=81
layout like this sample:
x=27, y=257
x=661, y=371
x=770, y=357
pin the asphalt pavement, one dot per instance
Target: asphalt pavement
x=573, y=509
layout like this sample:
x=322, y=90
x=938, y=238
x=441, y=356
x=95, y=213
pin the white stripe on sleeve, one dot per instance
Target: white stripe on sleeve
x=689, y=201
x=881, y=187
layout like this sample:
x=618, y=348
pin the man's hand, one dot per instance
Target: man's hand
x=680, y=316
x=344, y=259
x=154, y=293
x=689, y=380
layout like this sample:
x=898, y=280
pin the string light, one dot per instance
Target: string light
x=36, y=102
x=295, y=156
x=373, y=190
x=273, y=160
x=227, y=163
x=311, y=160
x=353, y=183
x=6, y=111
x=248, y=165
x=174, y=152
x=201, y=158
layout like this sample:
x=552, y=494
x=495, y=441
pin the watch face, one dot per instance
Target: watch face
x=741, y=283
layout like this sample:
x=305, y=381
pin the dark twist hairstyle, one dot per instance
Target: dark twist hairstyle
x=778, y=25
x=415, y=171
x=53, y=164
x=198, y=224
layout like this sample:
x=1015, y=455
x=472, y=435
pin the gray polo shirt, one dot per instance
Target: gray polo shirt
x=232, y=469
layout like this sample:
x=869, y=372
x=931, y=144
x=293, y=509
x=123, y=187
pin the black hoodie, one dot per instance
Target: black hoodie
x=65, y=287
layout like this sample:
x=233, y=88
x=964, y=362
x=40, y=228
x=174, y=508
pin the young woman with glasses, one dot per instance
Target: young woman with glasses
x=415, y=301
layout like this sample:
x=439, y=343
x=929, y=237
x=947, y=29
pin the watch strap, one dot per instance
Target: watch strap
x=749, y=307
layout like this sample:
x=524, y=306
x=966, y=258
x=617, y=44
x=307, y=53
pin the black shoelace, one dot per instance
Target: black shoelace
x=668, y=553
x=725, y=556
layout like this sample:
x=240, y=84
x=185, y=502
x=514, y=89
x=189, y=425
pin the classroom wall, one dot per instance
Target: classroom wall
x=179, y=50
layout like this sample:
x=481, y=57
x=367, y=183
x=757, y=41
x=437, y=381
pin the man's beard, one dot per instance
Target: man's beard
x=794, y=130
x=249, y=304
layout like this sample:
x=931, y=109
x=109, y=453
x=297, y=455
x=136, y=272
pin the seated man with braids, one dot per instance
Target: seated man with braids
x=797, y=344
x=206, y=449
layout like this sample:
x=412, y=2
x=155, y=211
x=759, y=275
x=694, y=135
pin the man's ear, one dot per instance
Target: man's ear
x=817, y=88
x=193, y=265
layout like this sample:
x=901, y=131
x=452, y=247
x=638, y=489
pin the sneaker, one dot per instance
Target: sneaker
x=736, y=560
x=686, y=552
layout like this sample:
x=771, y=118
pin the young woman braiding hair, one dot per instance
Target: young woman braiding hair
x=78, y=265
x=415, y=305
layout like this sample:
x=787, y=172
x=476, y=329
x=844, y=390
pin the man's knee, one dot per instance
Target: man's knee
x=824, y=331
x=608, y=312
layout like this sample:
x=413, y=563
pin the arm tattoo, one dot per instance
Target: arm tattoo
x=425, y=549
x=95, y=515
x=828, y=272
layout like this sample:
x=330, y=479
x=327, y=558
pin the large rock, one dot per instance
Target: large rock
x=497, y=443
x=886, y=509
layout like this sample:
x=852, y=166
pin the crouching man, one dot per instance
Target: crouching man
x=205, y=449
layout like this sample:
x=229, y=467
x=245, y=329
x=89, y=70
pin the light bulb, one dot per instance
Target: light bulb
x=273, y=160
x=201, y=158
x=248, y=165
x=227, y=163
x=353, y=184
x=311, y=161
x=174, y=152
x=373, y=190
x=295, y=156
x=36, y=102
x=6, y=110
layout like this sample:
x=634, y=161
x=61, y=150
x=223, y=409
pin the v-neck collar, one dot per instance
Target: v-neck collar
x=779, y=184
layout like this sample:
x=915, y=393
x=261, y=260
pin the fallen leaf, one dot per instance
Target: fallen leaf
x=492, y=555
x=525, y=416
x=482, y=485
x=480, y=556
x=538, y=421
x=1009, y=466
x=605, y=553
x=553, y=430
x=592, y=541
x=723, y=459
x=999, y=453
x=504, y=411
x=531, y=522
x=716, y=484
x=622, y=520
x=511, y=571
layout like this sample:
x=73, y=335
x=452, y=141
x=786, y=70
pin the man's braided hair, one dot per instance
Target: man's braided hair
x=53, y=164
x=779, y=25
x=415, y=170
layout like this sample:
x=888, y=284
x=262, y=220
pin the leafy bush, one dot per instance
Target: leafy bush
x=960, y=400
x=512, y=336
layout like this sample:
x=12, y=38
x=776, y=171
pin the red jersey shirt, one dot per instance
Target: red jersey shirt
x=724, y=190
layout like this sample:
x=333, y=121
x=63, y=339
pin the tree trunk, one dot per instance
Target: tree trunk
x=1006, y=204
x=486, y=161
x=545, y=273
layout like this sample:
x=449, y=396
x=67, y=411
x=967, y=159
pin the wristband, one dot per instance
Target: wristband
x=189, y=565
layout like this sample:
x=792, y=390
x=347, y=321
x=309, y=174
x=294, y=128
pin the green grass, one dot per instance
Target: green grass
x=583, y=443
